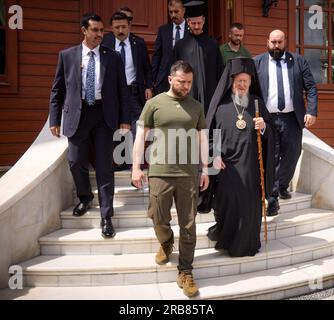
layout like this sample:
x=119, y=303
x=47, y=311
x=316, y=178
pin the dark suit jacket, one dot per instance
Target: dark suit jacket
x=66, y=90
x=300, y=79
x=141, y=61
x=162, y=58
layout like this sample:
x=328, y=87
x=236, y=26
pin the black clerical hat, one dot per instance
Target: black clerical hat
x=194, y=8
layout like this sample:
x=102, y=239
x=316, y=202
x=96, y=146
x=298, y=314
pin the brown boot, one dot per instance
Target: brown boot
x=186, y=282
x=165, y=250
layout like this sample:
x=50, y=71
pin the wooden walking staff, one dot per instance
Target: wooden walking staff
x=259, y=144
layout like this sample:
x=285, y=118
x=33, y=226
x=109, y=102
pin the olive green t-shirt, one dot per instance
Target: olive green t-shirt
x=227, y=53
x=174, y=125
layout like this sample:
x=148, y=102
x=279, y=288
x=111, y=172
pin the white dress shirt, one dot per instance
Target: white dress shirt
x=84, y=65
x=272, y=101
x=182, y=27
x=130, y=70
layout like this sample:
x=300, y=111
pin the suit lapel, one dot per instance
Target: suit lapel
x=134, y=51
x=170, y=38
x=78, y=64
x=290, y=65
x=103, y=63
x=113, y=43
x=265, y=77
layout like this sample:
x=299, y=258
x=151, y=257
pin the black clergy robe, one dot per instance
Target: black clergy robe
x=202, y=52
x=237, y=199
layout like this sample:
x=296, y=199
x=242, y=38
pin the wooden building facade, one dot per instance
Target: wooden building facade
x=28, y=56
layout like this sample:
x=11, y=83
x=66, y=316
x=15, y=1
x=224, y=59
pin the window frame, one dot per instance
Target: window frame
x=9, y=80
x=300, y=9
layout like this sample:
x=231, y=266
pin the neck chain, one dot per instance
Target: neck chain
x=241, y=123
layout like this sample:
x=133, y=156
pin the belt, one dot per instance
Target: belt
x=133, y=88
x=96, y=103
x=281, y=113
x=133, y=85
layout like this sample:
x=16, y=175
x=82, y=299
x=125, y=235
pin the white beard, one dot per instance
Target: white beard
x=241, y=100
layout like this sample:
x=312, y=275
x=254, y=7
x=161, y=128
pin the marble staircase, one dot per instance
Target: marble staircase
x=77, y=263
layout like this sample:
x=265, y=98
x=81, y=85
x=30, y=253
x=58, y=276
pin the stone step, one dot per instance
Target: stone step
x=131, y=195
x=143, y=240
x=126, y=216
x=128, y=269
x=122, y=178
x=123, y=195
x=273, y=284
x=134, y=215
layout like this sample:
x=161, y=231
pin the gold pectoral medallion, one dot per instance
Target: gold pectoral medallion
x=241, y=123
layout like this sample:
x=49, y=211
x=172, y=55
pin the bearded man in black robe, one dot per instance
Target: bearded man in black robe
x=237, y=197
x=202, y=52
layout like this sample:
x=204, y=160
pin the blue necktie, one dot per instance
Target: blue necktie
x=122, y=44
x=90, y=80
x=280, y=86
x=177, y=35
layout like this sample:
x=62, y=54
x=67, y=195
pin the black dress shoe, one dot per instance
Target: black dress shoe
x=108, y=230
x=81, y=208
x=273, y=207
x=284, y=194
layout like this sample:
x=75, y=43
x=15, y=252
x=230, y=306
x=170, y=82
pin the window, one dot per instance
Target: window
x=315, y=37
x=8, y=51
x=2, y=37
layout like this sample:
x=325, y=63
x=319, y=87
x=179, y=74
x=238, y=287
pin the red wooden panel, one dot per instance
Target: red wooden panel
x=23, y=103
x=266, y=22
x=35, y=70
x=45, y=48
x=21, y=126
x=36, y=81
x=33, y=92
x=51, y=15
x=17, y=137
x=64, y=5
x=282, y=4
x=257, y=12
x=9, y=148
x=9, y=159
x=71, y=27
x=36, y=58
x=25, y=115
x=148, y=14
x=50, y=37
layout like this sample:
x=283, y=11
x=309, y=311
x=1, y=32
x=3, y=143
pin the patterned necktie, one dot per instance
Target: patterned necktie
x=122, y=44
x=280, y=86
x=177, y=35
x=90, y=80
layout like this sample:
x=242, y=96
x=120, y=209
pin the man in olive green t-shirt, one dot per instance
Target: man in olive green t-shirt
x=234, y=47
x=175, y=121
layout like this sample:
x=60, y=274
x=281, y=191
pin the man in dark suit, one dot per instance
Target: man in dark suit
x=168, y=35
x=136, y=62
x=284, y=77
x=90, y=91
x=138, y=73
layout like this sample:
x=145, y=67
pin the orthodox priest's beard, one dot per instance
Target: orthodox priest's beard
x=241, y=99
